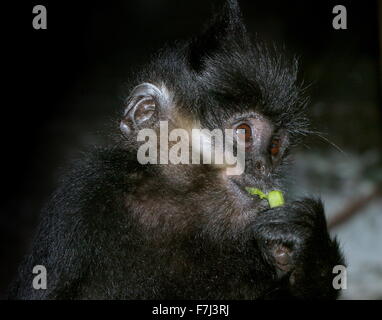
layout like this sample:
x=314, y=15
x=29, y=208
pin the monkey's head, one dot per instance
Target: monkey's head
x=220, y=80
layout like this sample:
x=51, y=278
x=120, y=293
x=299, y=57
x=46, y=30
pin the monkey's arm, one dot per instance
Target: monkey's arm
x=60, y=246
x=71, y=228
x=295, y=242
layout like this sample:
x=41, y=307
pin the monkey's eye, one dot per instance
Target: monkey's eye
x=275, y=146
x=247, y=131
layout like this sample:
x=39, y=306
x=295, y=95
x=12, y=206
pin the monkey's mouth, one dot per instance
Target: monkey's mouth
x=239, y=187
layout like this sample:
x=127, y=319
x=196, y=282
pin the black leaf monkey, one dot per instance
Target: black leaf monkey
x=118, y=229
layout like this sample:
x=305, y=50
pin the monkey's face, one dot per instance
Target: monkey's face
x=217, y=81
x=155, y=110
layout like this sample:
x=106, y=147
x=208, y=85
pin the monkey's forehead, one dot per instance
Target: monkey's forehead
x=249, y=80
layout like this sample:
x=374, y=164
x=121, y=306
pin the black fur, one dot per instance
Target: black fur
x=116, y=229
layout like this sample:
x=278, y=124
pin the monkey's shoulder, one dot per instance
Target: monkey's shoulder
x=94, y=183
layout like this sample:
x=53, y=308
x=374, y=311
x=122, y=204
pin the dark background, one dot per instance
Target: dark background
x=62, y=84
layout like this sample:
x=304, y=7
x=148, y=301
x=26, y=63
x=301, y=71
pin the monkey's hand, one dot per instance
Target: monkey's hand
x=295, y=242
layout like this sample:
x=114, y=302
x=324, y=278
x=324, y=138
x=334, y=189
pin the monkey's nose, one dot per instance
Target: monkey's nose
x=260, y=166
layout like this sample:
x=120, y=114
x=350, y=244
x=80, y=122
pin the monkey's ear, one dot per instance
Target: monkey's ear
x=225, y=30
x=142, y=104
